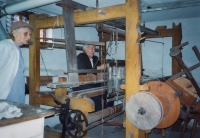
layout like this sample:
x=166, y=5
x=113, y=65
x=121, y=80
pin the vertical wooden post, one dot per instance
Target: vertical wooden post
x=34, y=63
x=70, y=41
x=133, y=64
x=61, y=92
x=176, y=40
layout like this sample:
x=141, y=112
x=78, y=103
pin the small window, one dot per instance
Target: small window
x=42, y=35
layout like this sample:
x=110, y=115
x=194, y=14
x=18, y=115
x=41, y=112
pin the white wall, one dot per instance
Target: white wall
x=190, y=33
x=156, y=61
x=116, y=51
x=155, y=55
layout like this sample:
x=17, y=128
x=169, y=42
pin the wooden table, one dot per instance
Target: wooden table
x=30, y=124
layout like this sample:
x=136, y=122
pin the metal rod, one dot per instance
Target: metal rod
x=121, y=33
x=155, y=41
x=44, y=45
x=101, y=28
x=115, y=98
x=100, y=122
x=170, y=5
x=23, y=6
x=183, y=72
x=84, y=71
x=104, y=113
x=114, y=94
x=71, y=84
x=77, y=41
x=179, y=46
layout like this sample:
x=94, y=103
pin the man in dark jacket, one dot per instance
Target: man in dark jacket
x=87, y=60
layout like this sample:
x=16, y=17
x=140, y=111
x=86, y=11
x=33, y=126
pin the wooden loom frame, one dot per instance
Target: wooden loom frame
x=133, y=63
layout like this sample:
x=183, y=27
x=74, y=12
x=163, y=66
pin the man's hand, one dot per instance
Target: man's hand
x=101, y=67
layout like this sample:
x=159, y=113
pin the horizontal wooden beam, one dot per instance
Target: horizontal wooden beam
x=85, y=17
x=100, y=14
x=48, y=22
x=46, y=99
x=162, y=33
x=43, y=80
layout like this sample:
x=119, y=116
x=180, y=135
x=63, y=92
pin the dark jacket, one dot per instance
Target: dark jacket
x=83, y=61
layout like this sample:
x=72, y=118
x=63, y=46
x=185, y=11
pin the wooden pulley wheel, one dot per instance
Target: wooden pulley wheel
x=169, y=100
x=144, y=110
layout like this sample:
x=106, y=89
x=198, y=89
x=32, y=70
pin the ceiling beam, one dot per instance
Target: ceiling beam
x=75, y=5
x=167, y=6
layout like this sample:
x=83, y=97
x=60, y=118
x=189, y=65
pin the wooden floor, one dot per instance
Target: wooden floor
x=119, y=132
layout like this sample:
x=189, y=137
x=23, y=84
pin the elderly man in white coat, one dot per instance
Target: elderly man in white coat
x=12, y=79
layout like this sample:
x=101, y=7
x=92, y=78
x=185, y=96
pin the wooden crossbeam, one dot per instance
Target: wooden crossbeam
x=85, y=17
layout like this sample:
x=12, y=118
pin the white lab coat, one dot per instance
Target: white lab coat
x=9, y=62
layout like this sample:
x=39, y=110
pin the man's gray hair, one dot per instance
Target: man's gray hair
x=84, y=47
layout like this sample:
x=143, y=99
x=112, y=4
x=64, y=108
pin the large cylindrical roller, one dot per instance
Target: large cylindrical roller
x=159, y=107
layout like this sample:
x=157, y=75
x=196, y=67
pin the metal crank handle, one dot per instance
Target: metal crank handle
x=179, y=46
x=175, y=51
